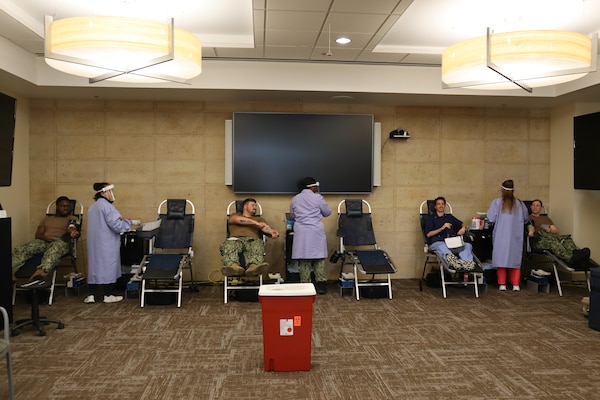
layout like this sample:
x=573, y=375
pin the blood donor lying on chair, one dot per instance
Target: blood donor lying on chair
x=439, y=226
x=245, y=236
x=52, y=238
x=545, y=236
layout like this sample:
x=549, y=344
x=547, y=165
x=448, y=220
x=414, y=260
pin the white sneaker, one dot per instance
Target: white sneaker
x=90, y=299
x=516, y=288
x=112, y=299
x=502, y=288
x=541, y=272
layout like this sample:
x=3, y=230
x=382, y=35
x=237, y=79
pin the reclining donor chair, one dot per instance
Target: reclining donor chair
x=545, y=259
x=171, y=251
x=457, y=277
x=359, y=248
x=69, y=260
x=235, y=283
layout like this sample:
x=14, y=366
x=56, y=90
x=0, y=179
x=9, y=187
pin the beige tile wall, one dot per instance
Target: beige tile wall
x=155, y=150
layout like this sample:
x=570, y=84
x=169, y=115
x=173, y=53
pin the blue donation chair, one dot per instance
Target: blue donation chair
x=449, y=276
x=69, y=259
x=359, y=248
x=546, y=259
x=235, y=283
x=171, y=251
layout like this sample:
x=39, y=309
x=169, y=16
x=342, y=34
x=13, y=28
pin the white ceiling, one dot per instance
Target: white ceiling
x=397, y=33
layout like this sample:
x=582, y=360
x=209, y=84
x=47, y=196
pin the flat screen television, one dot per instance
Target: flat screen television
x=586, y=151
x=273, y=152
x=7, y=137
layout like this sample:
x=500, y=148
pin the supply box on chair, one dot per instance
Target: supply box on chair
x=75, y=280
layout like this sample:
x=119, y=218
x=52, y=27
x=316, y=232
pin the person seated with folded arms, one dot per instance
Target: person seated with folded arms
x=52, y=237
x=545, y=236
x=439, y=226
x=245, y=236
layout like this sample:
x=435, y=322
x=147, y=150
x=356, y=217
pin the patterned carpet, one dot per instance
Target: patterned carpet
x=417, y=346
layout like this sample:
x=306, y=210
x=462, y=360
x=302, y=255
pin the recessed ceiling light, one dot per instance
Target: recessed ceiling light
x=343, y=40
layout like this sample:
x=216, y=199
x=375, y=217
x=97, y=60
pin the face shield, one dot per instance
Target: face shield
x=109, y=190
x=316, y=184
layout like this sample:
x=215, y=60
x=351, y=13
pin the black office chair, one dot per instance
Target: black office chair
x=35, y=287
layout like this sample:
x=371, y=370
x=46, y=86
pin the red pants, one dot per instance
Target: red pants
x=515, y=275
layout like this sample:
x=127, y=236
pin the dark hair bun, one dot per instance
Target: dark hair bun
x=99, y=185
x=308, y=181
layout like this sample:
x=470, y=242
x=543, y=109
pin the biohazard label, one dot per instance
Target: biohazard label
x=286, y=327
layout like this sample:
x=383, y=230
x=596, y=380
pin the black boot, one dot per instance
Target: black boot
x=580, y=257
x=321, y=287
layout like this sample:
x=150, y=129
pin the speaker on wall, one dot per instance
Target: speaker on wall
x=7, y=137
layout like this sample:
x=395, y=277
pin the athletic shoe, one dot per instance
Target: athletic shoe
x=580, y=256
x=112, y=299
x=452, y=261
x=502, y=288
x=469, y=265
x=90, y=299
x=516, y=288
x=540, y=272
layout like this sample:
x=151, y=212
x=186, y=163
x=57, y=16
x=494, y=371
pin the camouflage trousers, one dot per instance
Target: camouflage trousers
x=53, y=252
x=561, y=245
x=306, y=267
x=252, y=250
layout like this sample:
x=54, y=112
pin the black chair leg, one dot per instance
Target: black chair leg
x=37, y=321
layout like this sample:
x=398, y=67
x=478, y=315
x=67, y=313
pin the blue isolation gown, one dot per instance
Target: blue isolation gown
x=104, y=227
x=308, y=209
x=507, y=237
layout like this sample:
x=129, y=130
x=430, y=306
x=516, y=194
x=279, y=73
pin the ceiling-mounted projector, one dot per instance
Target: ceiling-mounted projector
x=399, y=134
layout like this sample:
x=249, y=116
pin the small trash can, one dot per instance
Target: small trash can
x=287, y=325
x=594, y=312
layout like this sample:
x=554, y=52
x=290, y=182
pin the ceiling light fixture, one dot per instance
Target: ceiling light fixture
x=343, y=40
x=122, y=49
x=525, y=58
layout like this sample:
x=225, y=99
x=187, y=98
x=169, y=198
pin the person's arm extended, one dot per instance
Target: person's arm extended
x=73, y=228
x=237, y=219
x=530, y=229
x=272, y=233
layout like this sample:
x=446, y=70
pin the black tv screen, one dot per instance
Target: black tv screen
x=7, y=137
x=273, y=152
x=586, y=147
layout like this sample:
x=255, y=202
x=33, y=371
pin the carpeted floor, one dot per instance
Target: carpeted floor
x=417, y=346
